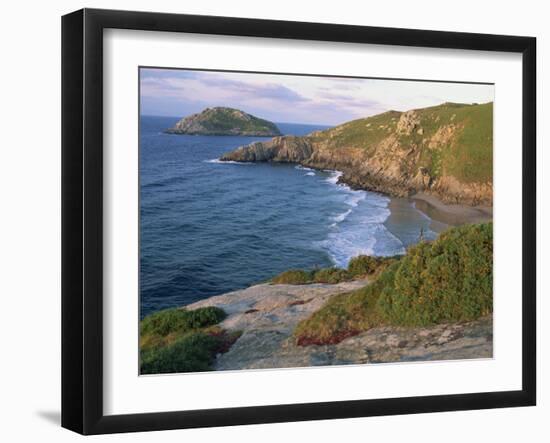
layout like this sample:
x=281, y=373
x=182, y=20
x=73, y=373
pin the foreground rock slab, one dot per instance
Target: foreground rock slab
x=267, y=315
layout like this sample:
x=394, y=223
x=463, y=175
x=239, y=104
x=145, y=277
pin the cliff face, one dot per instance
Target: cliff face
x=287, y=149
x=224, y=121
x=444, y=150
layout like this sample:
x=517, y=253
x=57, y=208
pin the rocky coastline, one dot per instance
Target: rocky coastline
x=372, y=316
x=403, y=160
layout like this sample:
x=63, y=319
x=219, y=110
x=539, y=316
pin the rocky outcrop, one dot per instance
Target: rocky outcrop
x=288, y=149
x=224, y=121
x=400, y=154
x=408, y=123
x=267, y=315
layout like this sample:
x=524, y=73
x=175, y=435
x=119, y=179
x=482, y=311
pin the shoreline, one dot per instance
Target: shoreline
x=442, y=215
x=452, y=215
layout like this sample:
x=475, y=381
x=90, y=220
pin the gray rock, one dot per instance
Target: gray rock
x=267, y=315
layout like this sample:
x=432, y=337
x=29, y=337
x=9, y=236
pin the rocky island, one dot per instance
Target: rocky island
x=443, y=151
x=224, y=121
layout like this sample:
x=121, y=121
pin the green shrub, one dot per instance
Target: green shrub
x=448, y=280
x=364, y=265
x=293, y=277
x=170, y=321
x=360, y=266
x=344, y=315
x=193, y=352
x=331, y=275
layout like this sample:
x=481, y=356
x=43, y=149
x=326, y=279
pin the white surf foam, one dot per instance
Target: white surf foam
x=302, y=168
x=342, y=245
x=355, y=197
x=360, y=229
x=334, y=176
x=217, y=161
x=341, y=217
x=372, y=239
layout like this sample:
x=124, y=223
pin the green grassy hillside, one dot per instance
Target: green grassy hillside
x=454, y=139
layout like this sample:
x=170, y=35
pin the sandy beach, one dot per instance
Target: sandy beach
x=451, y=214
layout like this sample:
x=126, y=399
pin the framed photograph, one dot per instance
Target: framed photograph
x=269, y=221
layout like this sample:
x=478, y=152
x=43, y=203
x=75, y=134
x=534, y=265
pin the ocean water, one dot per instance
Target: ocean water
x=209, y=227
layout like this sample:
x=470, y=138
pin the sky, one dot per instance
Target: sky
x=293, y=98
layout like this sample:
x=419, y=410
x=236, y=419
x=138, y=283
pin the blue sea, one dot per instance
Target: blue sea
x=208, y=227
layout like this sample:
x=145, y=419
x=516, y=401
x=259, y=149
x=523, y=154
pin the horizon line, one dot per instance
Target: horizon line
x=317, y=124
x=284, y=123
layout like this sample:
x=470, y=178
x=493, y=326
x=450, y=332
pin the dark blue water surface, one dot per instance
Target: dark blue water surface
x=209, y=227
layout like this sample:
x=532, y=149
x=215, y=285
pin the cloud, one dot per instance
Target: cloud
x=156, y=73
x=292, y=98
x=245, y=90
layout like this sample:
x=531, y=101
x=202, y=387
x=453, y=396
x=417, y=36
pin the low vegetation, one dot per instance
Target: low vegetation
x=361, y=266
x=179, y=340
x=468, y=155
x=167, y=321
x=294, y=277
x=331, y=275
x=224, y=121
x=194, y=351
x=364, y=265
x=447, y=280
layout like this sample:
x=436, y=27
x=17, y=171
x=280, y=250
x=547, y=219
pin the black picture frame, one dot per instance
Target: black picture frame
x=82, y=220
